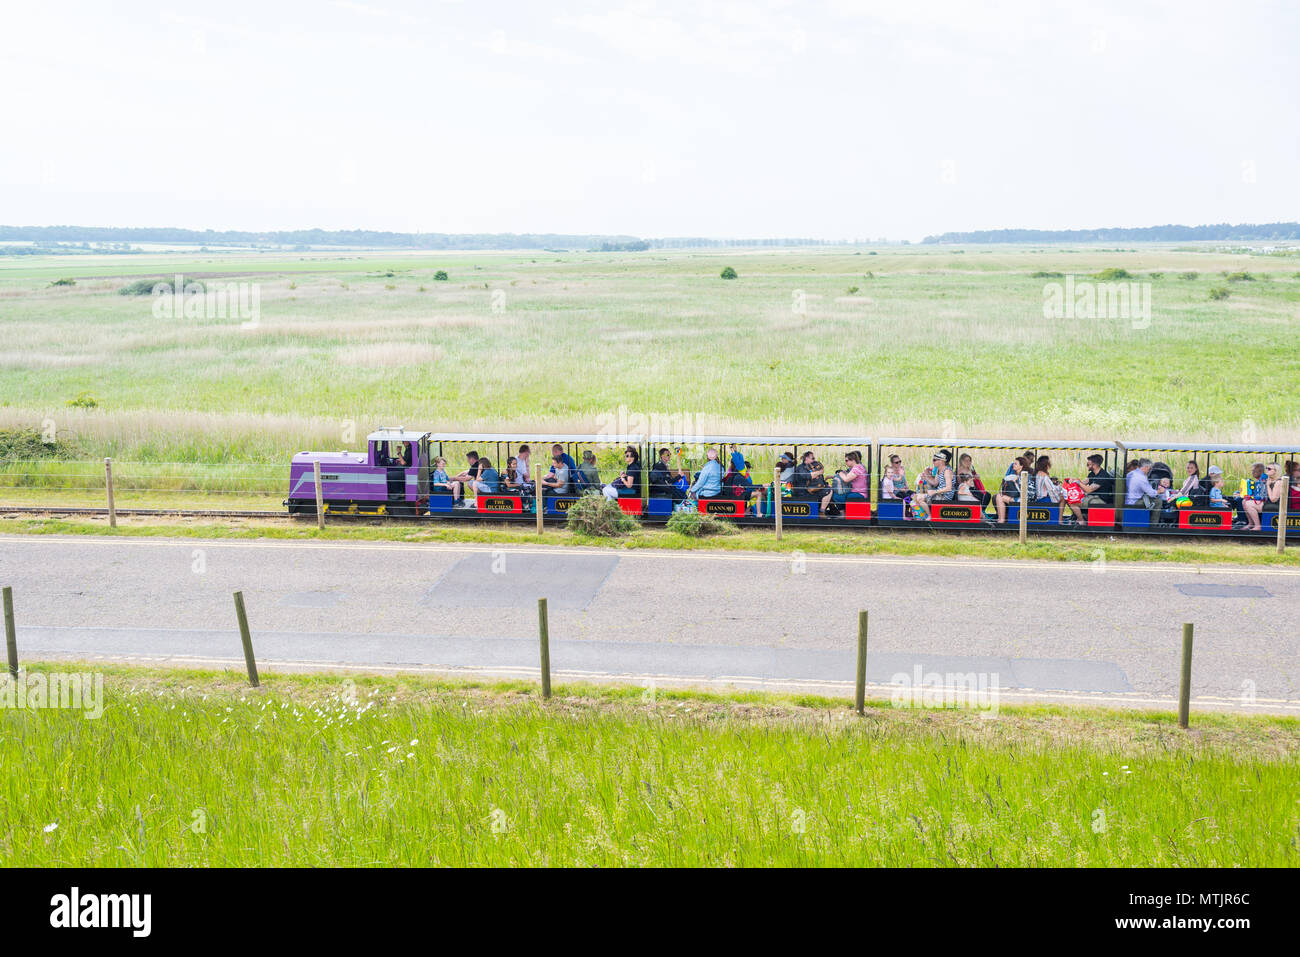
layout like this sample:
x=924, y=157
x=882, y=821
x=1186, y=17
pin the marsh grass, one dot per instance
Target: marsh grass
x=942, y=343
x=189, y=769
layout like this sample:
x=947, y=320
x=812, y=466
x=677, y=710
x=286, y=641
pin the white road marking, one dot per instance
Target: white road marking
x=784, y=558
x=834, y=688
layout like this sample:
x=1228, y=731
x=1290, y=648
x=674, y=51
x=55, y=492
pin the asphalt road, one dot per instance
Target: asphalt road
x=1102, y=632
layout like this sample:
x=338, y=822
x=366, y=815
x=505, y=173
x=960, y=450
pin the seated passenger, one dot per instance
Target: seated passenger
x=471, y=472
x=1099, y=485
x=708, y=484
x=768, y=493
x=663, y=478
x=893, y=484
x=586, y=475
x=1049, y=492
x=965, y=466
x=802, y=477
x=1010, y=494
x=628, y=484
x=936, y=484
x=564, y=456
x=525, y=464
x=852, y=482
x=514, y=482
x=439, y=481
x=1138, y=490
x=488, y=481
x=1216, y=491
x=556, y=481
x=966, y=489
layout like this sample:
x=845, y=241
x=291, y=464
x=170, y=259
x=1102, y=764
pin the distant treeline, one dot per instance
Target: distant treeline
x=1223, y=232
x=306, y=237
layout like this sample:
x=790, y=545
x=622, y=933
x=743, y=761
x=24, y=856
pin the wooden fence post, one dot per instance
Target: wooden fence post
x=776, y=499
x=1185, y=679
x=246, y=638
x=1024, y=506
x=11, y=632
x=860, y=692
x=544, y=635
x=540, y=498
x=320, y=496
x=108, y=483
x=1281, y=514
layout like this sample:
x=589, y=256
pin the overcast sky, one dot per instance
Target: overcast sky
x=835, y=119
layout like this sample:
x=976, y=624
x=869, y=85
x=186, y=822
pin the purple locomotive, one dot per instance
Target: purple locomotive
x=390, y=478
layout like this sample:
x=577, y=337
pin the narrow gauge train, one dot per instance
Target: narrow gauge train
x=394, y=476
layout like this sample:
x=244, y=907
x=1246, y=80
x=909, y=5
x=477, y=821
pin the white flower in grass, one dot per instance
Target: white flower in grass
x=414, y=742
x=392, y=749
x=50, y=827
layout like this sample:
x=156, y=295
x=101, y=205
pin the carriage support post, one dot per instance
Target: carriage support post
x=320, y=496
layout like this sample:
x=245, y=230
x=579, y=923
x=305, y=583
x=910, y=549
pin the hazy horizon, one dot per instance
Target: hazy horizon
x=847, y=119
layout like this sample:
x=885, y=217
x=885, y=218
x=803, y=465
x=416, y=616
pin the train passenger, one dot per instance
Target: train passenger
x=489, y=479
x=664, y=478
x=1251, y=490
x=1292, y=472
x=764, y=493
x=513, y=480
x=893, y=485
x=440, y=481
x=1099, y=486
x=564, y=456
x=801, y=482
x=965, y=465
x=556, y=481
x=708, y=484
x=1049, y=492
x=936, y=484
x=1216, y=490
x=471, y=473
x=1138, y=490
x=525, y=464
x=628, y=484
x=586, y=475
x=852, y=483
x=1010, y=493
x=966, y=492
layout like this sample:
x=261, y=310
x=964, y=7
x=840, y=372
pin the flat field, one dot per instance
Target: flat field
x=891, y=340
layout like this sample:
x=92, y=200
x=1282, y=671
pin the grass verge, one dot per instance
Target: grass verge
x=808, y=541
x=193, y=768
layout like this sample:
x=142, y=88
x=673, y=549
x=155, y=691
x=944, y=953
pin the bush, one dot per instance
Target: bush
x=1189, y=275
x=1044, y=274
x=144, y=287
x=729, y=273
x=1219, y=292
x=1112, y=273
x=695, y=525
x=440, y=275
x=852, y=290
x=83, y=400
x=64, y=282
x=1155, y=275
x=593, y=514
x=1238, y=277
x=19, y=445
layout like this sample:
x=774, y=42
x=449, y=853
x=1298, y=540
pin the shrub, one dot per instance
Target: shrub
x=144, y=287
x=84, y=400
x=1155, y=275
x=729, y=273
x=695, y=525
x=1238, y=277
x=852, y=290
x=593, y=514
x=1219, y=292
x=440, y=275
x=64, y=282
x=1044, y=274
x=1189, y=275
x=1112, y=273
x=17, y=445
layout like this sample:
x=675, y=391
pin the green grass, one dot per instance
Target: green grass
x=190, y=769
x=809, y=541
x=581, y=334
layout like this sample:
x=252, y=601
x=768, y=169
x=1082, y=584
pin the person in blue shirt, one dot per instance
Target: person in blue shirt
x=708, y=484
x=1138, y=490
